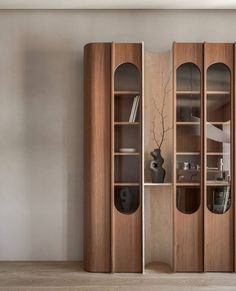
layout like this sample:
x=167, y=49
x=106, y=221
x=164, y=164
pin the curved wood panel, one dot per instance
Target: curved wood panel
x=128, y=53
x=219, y=228
x=219, y=241
x=188, y=228
x=127, y=242
x=218, y=53
x=188, y=53
x=127, y=228
x=97, y=130
x=189, y=242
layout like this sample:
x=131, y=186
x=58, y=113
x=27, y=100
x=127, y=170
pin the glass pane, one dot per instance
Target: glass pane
x=218, y=137
x=218, y=199
x=127, y=199
x=188, y=141
x=127, y=77
x=188, y=199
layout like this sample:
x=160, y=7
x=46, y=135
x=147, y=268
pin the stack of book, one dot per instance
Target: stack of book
x=221, y=199
x=134, y=110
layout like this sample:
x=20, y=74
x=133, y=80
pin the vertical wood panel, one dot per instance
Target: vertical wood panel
x=188, y=228
x=97, y=72
x=219, y=228
x=234, y=152
x=127, y=228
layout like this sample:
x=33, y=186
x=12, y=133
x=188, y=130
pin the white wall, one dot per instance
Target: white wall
x=41, y=114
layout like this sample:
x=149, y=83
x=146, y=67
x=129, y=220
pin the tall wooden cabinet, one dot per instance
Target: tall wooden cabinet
x=117, y=239
x=113, y=157
x=204, y=174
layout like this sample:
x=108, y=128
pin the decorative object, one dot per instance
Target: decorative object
x=126, y=200
x=157, y=171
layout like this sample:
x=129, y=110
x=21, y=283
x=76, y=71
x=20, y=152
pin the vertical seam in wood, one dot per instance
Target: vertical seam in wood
x=112, y=156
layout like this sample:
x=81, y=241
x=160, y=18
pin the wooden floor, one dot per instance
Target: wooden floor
x=23, y=276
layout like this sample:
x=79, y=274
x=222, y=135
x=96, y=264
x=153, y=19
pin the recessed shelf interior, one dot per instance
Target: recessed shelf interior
x=218, y=198
x=127, y=78
x=188, y=199
x=127, y=199
x=127, y=169
x=127, y=137
x=218, y=128
x=123, y=107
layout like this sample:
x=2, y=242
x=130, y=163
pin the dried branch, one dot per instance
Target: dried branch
x=161, y=111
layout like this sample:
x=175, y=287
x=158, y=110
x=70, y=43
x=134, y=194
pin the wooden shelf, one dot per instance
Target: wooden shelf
x=218, y=92
x=217, y=184
x=188, y=92
x=126, y=154
x=126, y=93
x=126, y=123
x=126, y=184
x=187, y=123
x=188, y=153
x=157, y=184
x=218, y=122
x=218, y=154
x=187, y=184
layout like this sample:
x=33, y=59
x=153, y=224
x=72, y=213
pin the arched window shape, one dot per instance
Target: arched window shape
x=127, y=78
x=188, y=199
x=188, y=140
x=127, y=199
x=218, y=133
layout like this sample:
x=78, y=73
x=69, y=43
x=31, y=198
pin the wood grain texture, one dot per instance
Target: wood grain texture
x=219, y=242
x=188, y=52
x=188, y=228
x=158, y=199
x=97, y=130
x=158, y=224
x=70, y=276
x=219, y=229
x=128, y=53
x=189, y=242
x=127, y=242
x=127, y=228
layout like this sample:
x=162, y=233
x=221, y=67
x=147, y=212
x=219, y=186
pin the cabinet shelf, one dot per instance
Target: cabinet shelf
x=217, y=154
x=188, y=153
x=218, y=122
x=126, y=93
x=126, y=154
x=217, y=184
x=126, y=123
x=187, y=123
x=188, y=92
x=126, y=184
x=187, y=184
x=157, y=184
x=218, y=92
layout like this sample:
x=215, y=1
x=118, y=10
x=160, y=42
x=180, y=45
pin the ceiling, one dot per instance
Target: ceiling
x=117, y=4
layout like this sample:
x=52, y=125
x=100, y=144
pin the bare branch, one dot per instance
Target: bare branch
x=161, y=112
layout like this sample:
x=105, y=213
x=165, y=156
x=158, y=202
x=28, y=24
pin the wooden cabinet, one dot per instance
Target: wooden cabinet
x=204, y=157
x=203, y=142
x=113, y=157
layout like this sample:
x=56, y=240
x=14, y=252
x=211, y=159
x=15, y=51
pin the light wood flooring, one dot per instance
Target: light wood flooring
x=35, y=276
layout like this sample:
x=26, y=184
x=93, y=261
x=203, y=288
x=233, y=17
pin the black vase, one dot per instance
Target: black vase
x=158, y=173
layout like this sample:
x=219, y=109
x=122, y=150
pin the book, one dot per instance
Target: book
x=221, y=199
x=132, y=110
x=136, y=109
x=227, y=199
